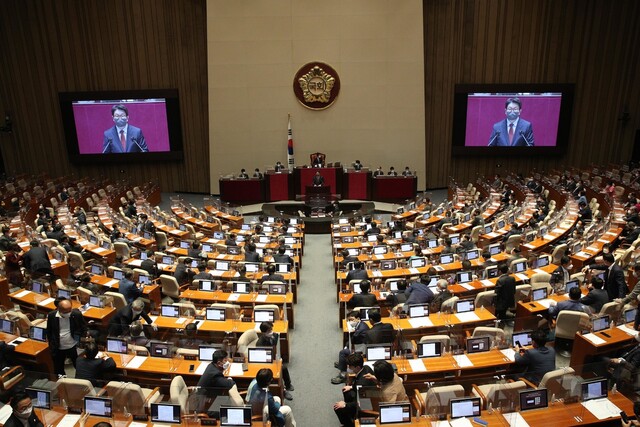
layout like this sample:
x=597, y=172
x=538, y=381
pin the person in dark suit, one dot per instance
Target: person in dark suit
x=440, y=297
x=537, y=361
x=358, y=273
x=23, y=414
x=65, y=327
x=183, y=273
x=584, y=212
x=392, y=171
x=505, y=292
x=272, y=275
x=243, y=174
x=250, y=253
x=378, y=172
x=364, y=298
x=6, y=241
x=379, y=332
x=317, y=162
x=358, y=332
x=318, y=180
x=347, y=258
x=279, y=167
x=149, y=265
x=418, y=292
x=231, y=240
x=629, y=360
x=513, y=131
x=614, y=282
x=194, y=251
x=92, y=369
x=128, y=288
x=347, y=408
x=36, y=259
x=123, y=137
x=120, y=322
x=572, y=304
x=597, y=297
x=213, y=376
x=561, y=274
x=281, y=257
x=407, y=171
x=268, y=338
x=146, y=224
x=357, y=166
x=257, y=174
x=399, y=297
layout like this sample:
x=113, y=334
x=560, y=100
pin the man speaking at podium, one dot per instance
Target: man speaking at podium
x=318, y=180
x=513, y=131
x=123, y=138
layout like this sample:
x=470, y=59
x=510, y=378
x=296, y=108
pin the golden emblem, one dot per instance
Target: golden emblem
x=316, y=85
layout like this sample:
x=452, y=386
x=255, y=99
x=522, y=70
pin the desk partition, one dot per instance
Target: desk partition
x=394, y=188
x=242, y=190
x=279, y=186
x=357, y=185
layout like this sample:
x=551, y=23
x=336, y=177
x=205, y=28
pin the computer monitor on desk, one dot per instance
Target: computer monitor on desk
x=521, y=339
x=464, y=277
x=217, y=314
x=478, y=345
x=465, y=407
x=260, y=355
x=539, y=294
x=263, y=315
x=533, y=399
x=596, y=389
x=430, y=349
x=464, y=306
x=98, y=406
x=165, y=413
x=234, y=416
x=432, y=243
x=168, y=310
x=39, y=398
x=417, y=262
x=378, y=352
x=446, y=258
x=418, y=310
x=205, y=285
x=117, y=345
x=205, y=352
x=395, y=413
x=8, y=326
x=161, y=349
x=601, y=323
x=241, y=287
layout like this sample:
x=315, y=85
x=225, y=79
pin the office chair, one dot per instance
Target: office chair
x=435, y=401
x=567, y=324
x=494, y=393
x=136, y=399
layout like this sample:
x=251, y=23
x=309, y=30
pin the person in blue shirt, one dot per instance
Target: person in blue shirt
x=128, y=288
x=258, y=393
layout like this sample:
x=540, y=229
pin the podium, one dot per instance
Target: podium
x=322, y=190
x=279, y=186
x=303, y=178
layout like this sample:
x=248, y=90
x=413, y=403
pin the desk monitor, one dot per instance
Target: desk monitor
x=98, y=406
x=97, y=269
x=364, y=312
x=372, y=238
x=522, y=338
x=160, y=349
x=234, y=416
x=595, y=389
x=263, y=239
x=252, y=267
x=118, y=274
x=464, y=277
x=472, y=254
x=38, y=287
x=397, y=235
x=222, y=265
x=393, y=285
x=95, y=301
x=165, y=413
x=539, y=294
x=494, y=249
x=488, y=228
x=143, y=279
x=465, y=407
x=380, y=250
x=117, y=345
x=168, y=310
x=264, y=315
x=340, y=221
x=577, y=248
x=147, y=235
x=348, y=239
x=601, y=323
x=182, y=227
x=234, y=250
x=542, y=261
x=207, y=248
x=217, y=314
x=400, y=210
x=206, y=285
x=454, y=222
x=417, y=262
x=440, y=211
x=345, y=228
x=395, y=413
x=143, y=256
x=418, y=310
x=93, y=239
x=465, y=305
x=290, y=241
x=245, y=227
x=430, y=349
x=467, y=217
x=543, y=231
x=283, y=268
x=406, y=247
x=241, y=287
x=260, y=355
x=571, y=284
x=185, y=244
x=8, y=326
x=271, y=220
x=277, y=288
x=432, y=243
x=446, y=258
x=533, y=399
x=519, y=267
x=355, y=287
x=353, y=251
x=501, y=224
x=455, y=238
x=58, y=255
x=478, y=344
x=492, y=272
x=630, y=315
x=378, y=352
x=39, y=398
x=37, y=333
x=433, y=281
x=412, y=205
x=168, y=260
x=389, y=264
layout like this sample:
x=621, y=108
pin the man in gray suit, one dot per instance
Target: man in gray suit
x=513, y=131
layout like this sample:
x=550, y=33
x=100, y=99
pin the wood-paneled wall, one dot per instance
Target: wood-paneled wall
x=89, y=45
x=591, y=43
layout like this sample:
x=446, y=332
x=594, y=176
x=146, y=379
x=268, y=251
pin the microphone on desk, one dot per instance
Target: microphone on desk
x=494, y=138
x=104, y=150
x=525, y=138
x=135, y=141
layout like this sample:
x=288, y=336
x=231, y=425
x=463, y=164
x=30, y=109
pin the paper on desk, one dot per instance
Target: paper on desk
x=181, y=320
x=544, y=302
x=235, y=370
x=628, y=330
x=17, y=341
x=515, y=419
x=136, y=362
x=601, y=408
x=493, y=234
x=414, y=270
x=522, y=277
x=46, y=301
x=539, y=270
x=135, y=262
x=467, y=286
x=469, y=316
x=487, y=282
x=5, y=413
x=509, y=353
x=112, y=282
x=69, y=420
x=460, y=422
x=440, y=424
x=99, y=250
x=548, y=237
x=439, y=268
x=463, y=361
x=137, y=424
x=379, y=256
x=22, y=294
x=261, y=298
x=594, y=339
x=201, y=367
x=233, y=297
x=417, y=365
x=420, y=322
x=377, y=273
x=152, y=317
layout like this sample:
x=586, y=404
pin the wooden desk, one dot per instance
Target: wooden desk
x=527, y=312
x=233, y=220
x=583, y=348
x=152, y=292
x=243, y=191
x=394, y=188
x=31, y=354
x=204, y=226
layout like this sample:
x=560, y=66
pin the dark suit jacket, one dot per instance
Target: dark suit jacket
x=356, y=274
x=359, y=336
x=596, y=298
x=251, y=256
x=273, y=277
x=135, y=141
x=129, y=290
x=380, y=333
x=76, y=321
x=350, y=397
x=614, y=280
x=123, y=318
x=93, y=369
x=213, y=378
x=363, y=300
x=418, y=293
x=36, y=259
x=518, y=140
x=149, y=265
x=538, y=361
x=14, y=421
x=505, y=292
x=318, y=180
x=283, y=259
x=182, y=274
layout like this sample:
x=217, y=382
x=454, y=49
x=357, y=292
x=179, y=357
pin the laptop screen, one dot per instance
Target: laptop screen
x=595, y=389
x=406, y=247
x=252, y=267
x=95, y=301
x=37, y=333
x=185, y=244
x=472, y=254
x=521, y=338
x=235, y=416
x=205, y=352
x=533, y=399
x=98, y=406
x=543, y=261
x=432, y=244
x=378, y=352
x=241, y=288
x=601, y=323
x=207, y=248
x=260, y=355
x=205, y=285
x=421, y=310
x=170, y=310
x=417, y=262
x=263, y=315
x=283, y=268
x=117, y=345
x=380, y=250
x=630, y=315
x=464, y=277
x=464, y=306
x=37, y=287
x=430, y=349
x=539, y=294
x=465, y=407
x=215, y=314
x=455, y=239
x=446, y=259
x=494, y=249
x=395, y=413
x=167, y=260
x=118, y=274
x=39, y=398
x=8, y=326
x=519, y=267
x=222, y=265
x=143, y=279
x=478, y=345
x=571, y=284
x=96, y=269
x=165, y=413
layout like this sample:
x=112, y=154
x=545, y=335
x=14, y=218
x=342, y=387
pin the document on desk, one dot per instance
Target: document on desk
x=180, y=320
x=460, y=422
x=469, y=316
x=201, y=368
x=17, y=341
x=545, y=302
x=467, y=286
x=22, y=294
x=136, y=362
x=233, y=297
x=539, y=270
x=509, y=353
x=463, y=361
x=601, y=408
x=111, y=282
x=414, y=270
x=69, y=420
x=440, y=424
x=522, y=277
x=594, y=339
x=377, y=273
x=438, y=267
x=420, y=322
x=378, y=256
x=628, y=330
x=135, y=262
x=515, y=419
x=417, y=365
x=235, y=370
x=46, y=301
x=261, y=298
x=486, y=282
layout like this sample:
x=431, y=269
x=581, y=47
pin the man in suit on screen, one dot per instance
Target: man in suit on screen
x=123, y=137
x=513, y=131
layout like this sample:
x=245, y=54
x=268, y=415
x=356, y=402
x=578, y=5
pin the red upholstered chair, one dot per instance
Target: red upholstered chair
x=319, y=156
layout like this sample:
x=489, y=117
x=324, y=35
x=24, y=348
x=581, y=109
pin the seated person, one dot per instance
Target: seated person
x=250, y=253
x=538, y=360
x=281, y=257
x=436, y=304
x=203, y=274
x=347, y=258
x=418, y=292
x=189, y=341
x=22, y=414
x=347, y=408
x=399, y=297
x=597, y=296
x=136, y=335
x=364, y=298
x=183, y=272
x=357, y=331
x=258, y=392
x=357, y=165
x=318, y=180
x=572, y=304
x=390, y=384
x=407, y=171
x=121, y=321
x=257, y=174
x=128, y=288
x=379, y=332
x=92, y=369
x=243, y=174
x=149, y=265
x=213, y=377
x=392, y=172
x=272, y=275
x=194, y=251
x=358, y=273
x=268, y=338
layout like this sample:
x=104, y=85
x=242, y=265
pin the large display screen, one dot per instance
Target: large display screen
x=122, y=126
x=511, y=119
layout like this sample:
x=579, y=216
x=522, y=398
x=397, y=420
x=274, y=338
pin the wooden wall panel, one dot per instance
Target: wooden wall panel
x=590, y=43
x=67, y=45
